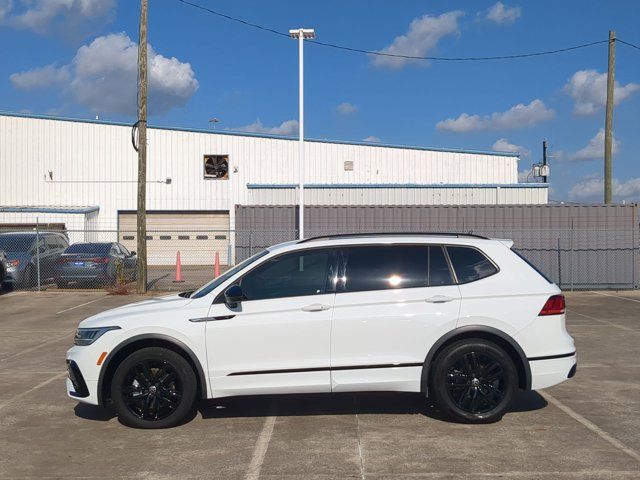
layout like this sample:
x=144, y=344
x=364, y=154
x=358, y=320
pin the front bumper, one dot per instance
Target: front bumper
x=82, y=381
x=546, y=373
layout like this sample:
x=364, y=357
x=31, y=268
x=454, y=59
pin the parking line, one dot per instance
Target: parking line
x=33, y=389
x=262, y=444
x=36, y=347
x=78, y=306
x=616, y=296
x=355, y=404
x=604, y=321
x=590, y=425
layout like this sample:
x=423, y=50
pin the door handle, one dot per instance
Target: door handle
x=315, y=307
x=439, y=299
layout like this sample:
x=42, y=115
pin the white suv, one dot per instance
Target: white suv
x=460, y=318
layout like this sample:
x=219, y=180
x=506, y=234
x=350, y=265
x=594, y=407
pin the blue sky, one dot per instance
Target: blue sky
x=77, y=58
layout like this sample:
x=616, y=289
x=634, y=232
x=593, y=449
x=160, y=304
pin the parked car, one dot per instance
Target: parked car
x=95, y=262
x=29, y=253
x=4, y=264
x=460, y=318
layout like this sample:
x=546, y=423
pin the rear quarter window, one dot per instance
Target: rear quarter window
x=470, y=264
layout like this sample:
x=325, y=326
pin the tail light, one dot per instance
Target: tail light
x=13, y=263
x=553, y=306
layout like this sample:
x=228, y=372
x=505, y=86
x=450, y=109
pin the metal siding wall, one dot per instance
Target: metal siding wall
x=94, y=164
x=398, y=196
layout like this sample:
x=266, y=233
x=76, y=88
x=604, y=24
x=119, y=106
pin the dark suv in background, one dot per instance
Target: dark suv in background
x=28, y=252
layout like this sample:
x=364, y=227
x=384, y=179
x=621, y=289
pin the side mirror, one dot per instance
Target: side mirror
x=132, y=254
x=233, y=296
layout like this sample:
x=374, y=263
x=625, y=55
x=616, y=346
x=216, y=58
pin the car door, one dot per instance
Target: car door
x=128, y=259
x=392, y=303
x=277, y=339
x=48, y=256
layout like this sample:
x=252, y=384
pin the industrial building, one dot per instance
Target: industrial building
x=81, y=175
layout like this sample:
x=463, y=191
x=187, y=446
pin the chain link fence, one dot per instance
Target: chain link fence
x=50, y=256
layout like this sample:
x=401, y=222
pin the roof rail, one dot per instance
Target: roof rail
x=394, y=234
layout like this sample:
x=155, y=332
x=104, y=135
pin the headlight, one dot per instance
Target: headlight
x=86, y=336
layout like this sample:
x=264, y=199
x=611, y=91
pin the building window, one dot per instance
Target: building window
x=348, y=166
x=216, y=167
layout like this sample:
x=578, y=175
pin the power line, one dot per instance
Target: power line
x=406, y=57
x=461, y=59
x=628, y=43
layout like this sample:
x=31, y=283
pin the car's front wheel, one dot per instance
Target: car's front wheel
x=474, y=380
x=154, y=388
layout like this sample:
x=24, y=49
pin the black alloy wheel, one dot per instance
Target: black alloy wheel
x=154, y=388
x=474, y=381
x=151, y=390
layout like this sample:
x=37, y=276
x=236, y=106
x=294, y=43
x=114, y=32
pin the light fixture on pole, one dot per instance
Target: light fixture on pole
x=213, y=121
x=301, y=34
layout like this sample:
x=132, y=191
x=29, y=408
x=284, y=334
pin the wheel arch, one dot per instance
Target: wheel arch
x=503, y=340
x=124, y=349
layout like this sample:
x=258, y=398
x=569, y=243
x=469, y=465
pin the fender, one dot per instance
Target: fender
x=466, y=331
x=152, y=336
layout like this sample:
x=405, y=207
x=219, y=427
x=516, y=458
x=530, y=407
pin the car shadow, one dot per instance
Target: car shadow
x=344, y=404
x=94, y=412
x=320, y=404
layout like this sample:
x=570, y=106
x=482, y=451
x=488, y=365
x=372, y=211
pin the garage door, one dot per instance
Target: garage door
x=197, y=236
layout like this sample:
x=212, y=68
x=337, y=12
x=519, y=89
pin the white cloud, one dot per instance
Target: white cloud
x=588, y=88
x=346, y=108
x=48, y=17
x=503, y=145
x=288, y=127
x=41, y=77
x=423, y=35
x=591, y=189
x=502, y=14
x=103, y=77
x=595, y=148
x=5, y=8
x=518, y=116
x=372, y=139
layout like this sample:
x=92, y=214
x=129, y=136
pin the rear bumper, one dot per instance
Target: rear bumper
x=552, y=371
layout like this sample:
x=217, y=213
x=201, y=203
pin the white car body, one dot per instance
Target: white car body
x=340, y=342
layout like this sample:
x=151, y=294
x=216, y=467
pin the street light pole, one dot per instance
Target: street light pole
x=301, y=34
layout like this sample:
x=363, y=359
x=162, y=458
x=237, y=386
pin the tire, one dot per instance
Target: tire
x=154, y=388
x=473, y=381
x=28, y=278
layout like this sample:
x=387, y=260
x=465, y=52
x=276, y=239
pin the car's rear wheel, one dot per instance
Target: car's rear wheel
x=474, y=380
x=154, y=388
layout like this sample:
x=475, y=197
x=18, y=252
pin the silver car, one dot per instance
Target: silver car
x=31, y=254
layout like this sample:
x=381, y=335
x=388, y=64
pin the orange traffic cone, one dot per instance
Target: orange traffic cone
x=178, y=269
x=216, y=266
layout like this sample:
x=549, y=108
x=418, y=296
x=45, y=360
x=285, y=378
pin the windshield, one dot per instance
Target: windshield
x=16, y=243
x=209, y=287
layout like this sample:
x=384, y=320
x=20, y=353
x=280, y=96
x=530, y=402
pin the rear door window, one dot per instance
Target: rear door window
x=470, y=264
x=385, y=267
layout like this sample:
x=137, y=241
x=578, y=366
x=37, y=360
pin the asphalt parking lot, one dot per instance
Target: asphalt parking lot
x=587, y=428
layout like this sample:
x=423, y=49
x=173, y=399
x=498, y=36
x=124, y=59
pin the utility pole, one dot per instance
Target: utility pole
x=608, y=122
x=544, y=160
x=141, y=286
x=301, y=34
